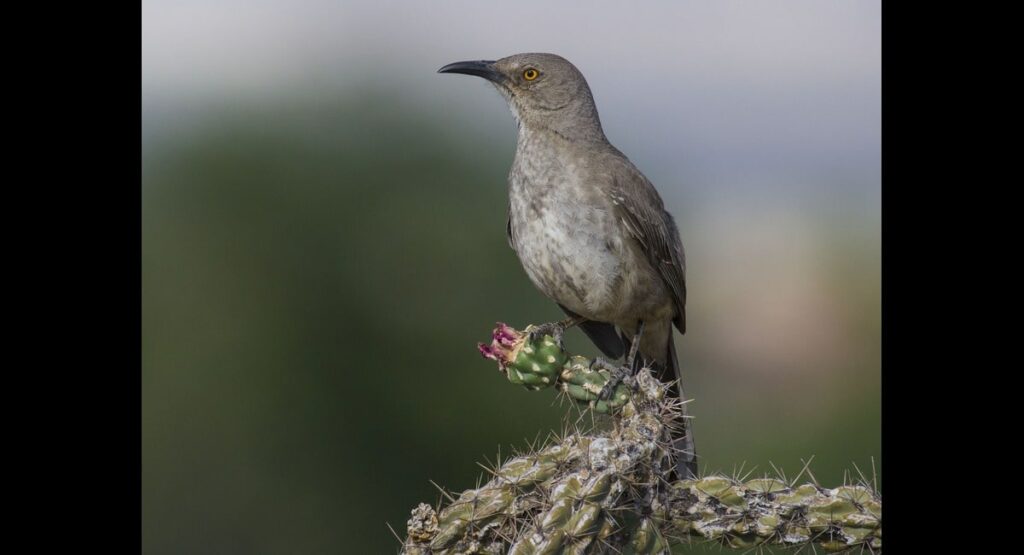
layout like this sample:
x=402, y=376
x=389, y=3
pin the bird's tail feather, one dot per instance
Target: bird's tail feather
x=686, y=458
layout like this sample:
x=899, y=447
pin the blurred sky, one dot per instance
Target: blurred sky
x=729, y=90
x=278, y=135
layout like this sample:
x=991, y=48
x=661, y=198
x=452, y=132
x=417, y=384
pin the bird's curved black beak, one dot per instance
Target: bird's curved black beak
x=480, y=68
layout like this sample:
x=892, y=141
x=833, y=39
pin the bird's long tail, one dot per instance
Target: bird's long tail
x=686, y=458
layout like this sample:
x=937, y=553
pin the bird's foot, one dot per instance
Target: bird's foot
x=555, y=329
x=618, y=373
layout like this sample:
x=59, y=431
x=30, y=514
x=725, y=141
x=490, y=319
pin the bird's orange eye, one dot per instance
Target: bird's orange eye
x=530, y=74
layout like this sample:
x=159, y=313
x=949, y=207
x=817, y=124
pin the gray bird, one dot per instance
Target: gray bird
x=590, y=230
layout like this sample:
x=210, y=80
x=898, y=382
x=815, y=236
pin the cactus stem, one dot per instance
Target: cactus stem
x=611, y=490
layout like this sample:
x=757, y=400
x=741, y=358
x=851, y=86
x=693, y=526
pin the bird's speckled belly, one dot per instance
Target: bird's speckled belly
x=570, y=242
x=588, y=272
x=569, y=265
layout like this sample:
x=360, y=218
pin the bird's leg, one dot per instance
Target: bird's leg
x=619, y=372
x=635, y=345
x=555, y=329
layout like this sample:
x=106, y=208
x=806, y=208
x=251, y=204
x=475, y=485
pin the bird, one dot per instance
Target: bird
x=591, y=231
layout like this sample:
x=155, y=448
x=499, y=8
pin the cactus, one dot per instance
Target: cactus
x=534, y=364
x=540, y=363
x=613, y=491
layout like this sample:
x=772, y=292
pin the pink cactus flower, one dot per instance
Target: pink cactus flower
x=505, y=344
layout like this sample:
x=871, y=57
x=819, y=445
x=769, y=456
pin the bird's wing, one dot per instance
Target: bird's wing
x=643, y=214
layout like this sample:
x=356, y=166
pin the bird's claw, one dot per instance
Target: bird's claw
x=555, y=329
x=618, y=373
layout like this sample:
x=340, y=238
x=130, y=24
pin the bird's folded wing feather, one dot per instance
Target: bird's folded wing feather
x=642, y=213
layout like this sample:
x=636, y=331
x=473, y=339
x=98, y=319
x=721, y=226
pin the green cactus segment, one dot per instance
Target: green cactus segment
x=609, y=492
x=542, y=363
x=647, y=539
x=585, y=385
x=537, y=364
x=768, y=511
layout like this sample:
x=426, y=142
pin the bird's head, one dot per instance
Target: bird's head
x=544, y=91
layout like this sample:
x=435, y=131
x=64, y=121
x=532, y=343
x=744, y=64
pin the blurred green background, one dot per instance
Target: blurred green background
x=323, y=246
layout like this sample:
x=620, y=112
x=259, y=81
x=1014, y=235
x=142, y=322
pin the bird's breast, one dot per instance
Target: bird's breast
x=567, y=239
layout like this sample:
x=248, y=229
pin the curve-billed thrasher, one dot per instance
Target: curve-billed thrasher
x=589, y=228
